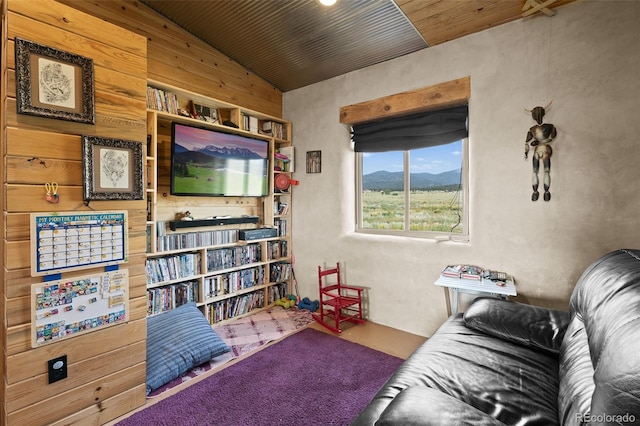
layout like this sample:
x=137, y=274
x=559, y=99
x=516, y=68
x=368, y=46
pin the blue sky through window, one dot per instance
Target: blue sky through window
x=437, y=159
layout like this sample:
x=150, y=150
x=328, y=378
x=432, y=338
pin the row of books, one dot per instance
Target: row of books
x=160, y=100
x=277, y=249
x=274, y=129
x=281, y=224
x=280, y=271
x=281, y=208
x=170, y=297
x=234, y=306
x=232, y=257
x=249, y=123
x=189, y=240
x=277, y=291
x=233, y=281
x=172, y=267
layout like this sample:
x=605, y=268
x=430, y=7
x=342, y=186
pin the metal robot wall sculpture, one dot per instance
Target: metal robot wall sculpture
x=539, y=137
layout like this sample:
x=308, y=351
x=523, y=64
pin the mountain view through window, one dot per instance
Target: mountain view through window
x=434, y=201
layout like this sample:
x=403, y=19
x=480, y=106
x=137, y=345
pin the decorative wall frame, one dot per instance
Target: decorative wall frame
x=314, y=161
x=52, y=83
x=112, y=169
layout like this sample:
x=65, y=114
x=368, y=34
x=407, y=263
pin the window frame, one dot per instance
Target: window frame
x=435, y=235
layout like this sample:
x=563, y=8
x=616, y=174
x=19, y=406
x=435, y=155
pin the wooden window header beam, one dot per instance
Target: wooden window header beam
x=439, y=96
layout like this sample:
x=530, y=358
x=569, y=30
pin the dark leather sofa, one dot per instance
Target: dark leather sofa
x=507, y=363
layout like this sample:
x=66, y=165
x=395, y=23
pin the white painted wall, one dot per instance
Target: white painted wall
x=587, y=60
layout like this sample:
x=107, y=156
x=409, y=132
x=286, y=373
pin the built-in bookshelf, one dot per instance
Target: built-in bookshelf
x=205, y=260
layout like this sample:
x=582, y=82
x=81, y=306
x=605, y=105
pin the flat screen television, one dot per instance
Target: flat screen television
x=206, y=162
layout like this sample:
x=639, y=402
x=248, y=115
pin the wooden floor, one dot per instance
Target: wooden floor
x=379, y=337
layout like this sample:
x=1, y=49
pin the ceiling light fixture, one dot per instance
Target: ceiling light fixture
x=327, y=2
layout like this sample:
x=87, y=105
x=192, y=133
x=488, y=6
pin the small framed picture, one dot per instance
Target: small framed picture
x=54, y=84
x=112, y=169
x=314, y=161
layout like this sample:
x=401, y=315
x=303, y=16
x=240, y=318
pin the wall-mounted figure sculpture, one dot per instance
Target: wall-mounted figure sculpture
x=539, y=137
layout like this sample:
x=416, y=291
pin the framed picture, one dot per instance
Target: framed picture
x=112, y=169
x=53, y=84
x=314, y=161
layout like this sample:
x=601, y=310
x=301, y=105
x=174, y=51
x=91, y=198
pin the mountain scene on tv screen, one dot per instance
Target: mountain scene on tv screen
x=394, y=181
x=214, y=170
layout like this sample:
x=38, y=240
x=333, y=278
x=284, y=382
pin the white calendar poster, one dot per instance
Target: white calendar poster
x=66, y=241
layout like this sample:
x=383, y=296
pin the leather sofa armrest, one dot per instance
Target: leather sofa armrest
x=421, y=405
x=531, y=326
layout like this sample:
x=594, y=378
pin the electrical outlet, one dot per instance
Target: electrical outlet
x=57, y=369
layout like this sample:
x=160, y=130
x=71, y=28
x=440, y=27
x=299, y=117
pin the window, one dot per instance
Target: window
x=419, y=188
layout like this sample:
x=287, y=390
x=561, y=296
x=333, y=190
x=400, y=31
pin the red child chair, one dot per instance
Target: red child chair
x=338, y=302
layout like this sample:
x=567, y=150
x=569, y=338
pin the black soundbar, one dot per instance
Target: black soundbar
x=214, y=221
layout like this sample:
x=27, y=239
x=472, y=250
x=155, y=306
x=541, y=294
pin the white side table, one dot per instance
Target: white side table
x=482, y=287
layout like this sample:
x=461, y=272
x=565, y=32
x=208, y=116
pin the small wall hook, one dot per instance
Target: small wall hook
x=52, y=192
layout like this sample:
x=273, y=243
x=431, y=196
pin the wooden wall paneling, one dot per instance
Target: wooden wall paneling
x=4, y=341
x=25, y=364
x=22, y=142
x=102, y=364
x=178, y=58
x=107, y=409
x=18, y=339
x=102, y=54
x=21, y=395
x=79, y=398
x=18, y=311
x=18, y=283
x=30, y=170
x=31, y=198
x=74, y=22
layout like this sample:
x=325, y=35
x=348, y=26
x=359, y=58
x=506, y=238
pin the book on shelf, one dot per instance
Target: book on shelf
x=280, y=271
x=281, y=224
x=288, y=152
x=160, y=100
x=163, y=299
x=188, y=240
x=277, y=291
x=234, y=306
x=231, y=257
x=249, y=123
x=277, y=249
x=171, y=268
x=282, y=208
x=274, y=129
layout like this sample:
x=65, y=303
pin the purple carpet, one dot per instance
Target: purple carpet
x=309, y=378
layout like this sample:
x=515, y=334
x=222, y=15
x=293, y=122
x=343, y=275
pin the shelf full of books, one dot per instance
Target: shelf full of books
x=170, y=297
x=234, y=307
x=205, y=260
x=232, y=282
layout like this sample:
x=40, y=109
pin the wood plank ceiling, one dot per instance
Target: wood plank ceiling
x=294, y=43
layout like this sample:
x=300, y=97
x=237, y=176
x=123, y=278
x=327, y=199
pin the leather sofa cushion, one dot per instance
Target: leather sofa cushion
x=532, y=326
x=606, y=303
x=576, y=375
x=420, y=405
x=509, y=382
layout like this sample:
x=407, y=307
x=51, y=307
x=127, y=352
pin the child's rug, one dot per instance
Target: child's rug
x=245, y=335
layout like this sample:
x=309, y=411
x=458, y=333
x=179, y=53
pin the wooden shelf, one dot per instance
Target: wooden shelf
x=272, y=260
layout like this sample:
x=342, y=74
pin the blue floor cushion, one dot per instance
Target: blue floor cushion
x=178, y=340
